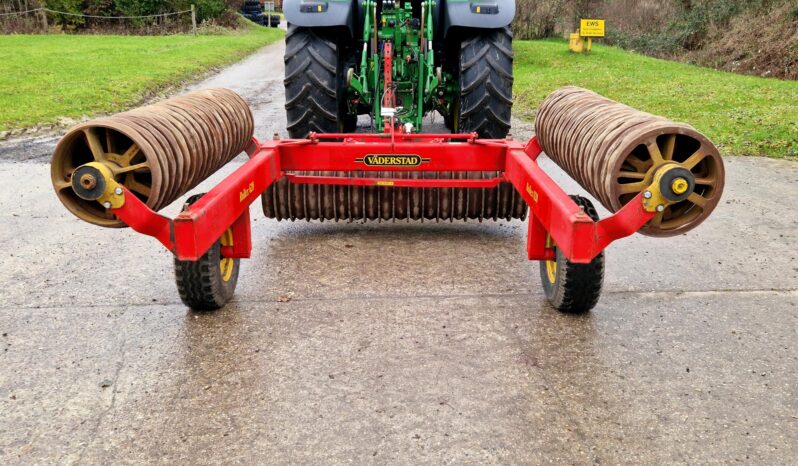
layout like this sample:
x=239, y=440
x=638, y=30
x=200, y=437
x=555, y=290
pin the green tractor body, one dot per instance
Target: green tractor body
x=398, y=61
x=413, y=87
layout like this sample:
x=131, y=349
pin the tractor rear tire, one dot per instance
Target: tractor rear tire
x=573, y=288
x=315, y=83
x=486, y=84
x=207, y=284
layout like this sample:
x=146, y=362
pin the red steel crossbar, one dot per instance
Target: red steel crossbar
x=226, y=206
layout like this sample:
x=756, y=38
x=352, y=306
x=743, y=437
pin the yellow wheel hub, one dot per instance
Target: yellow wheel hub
x=680, y=186
x=227, y=264
x=551, y=266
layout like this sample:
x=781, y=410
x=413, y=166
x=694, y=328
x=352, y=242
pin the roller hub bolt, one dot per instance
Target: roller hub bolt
x=677, y=183
x=88, y=181
x=680, y=186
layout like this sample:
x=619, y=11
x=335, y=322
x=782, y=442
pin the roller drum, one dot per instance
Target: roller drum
x=289, y=201
x=158, y=152
x=613, y=152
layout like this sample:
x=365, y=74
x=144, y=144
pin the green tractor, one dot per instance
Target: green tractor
x=398, y=61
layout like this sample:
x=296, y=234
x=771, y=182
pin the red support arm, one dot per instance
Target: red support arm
x=203, y=223
x=142, y=219
x=225, y=206
x=552, y=212
x=623, y=223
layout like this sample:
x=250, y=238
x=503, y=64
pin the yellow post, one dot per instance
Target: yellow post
x=575, y=43
x=589, y=44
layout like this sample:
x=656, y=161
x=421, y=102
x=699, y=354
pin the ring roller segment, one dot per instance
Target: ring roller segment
x=285, y=200
x=613, y=151
x=158, y=152
x=290, y=201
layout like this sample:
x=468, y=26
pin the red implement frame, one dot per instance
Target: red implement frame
x=225, y=206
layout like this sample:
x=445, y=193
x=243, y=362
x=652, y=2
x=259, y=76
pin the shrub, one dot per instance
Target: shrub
x=218, y=10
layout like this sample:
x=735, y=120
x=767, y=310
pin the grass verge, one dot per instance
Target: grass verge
x=47, y=77
x=743, y=115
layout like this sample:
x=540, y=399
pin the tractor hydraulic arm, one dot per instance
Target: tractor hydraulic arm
x=397, y=76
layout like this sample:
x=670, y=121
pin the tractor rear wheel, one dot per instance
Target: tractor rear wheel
x=315, y=83
x=486, y=84
x=573, y=288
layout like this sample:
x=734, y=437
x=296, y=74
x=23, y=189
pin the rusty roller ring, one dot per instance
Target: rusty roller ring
x=213, y=126
x=207, y=125
x=289, y=201
x=226, y=120
x=234, y=102
x=193, y=144
x=172, y=154
x=244, y=126
x=186, y=145
x=613, y=151
x=228, y=108
x=158, y=152
x=156, y=142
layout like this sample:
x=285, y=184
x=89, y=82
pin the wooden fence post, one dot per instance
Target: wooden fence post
x=194, y=19
x=44, y=21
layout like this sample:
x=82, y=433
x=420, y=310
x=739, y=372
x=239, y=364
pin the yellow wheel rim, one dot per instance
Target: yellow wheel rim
x=551, y=266
x=226, y=264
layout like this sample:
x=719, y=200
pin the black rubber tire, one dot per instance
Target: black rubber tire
x=577, y=287
x=486, y=84
x=315, y=83
x=200, y=283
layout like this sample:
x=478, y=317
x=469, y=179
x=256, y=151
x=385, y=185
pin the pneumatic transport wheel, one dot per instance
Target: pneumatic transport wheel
x=573, y=288
x=207, y=284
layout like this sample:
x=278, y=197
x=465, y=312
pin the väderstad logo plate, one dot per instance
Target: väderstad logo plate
x=392, y=160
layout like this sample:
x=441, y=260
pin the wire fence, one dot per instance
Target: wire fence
x=10, y=21
x=19, y=13
x=66, y=13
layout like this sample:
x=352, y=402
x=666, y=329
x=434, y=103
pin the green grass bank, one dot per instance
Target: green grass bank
x=47, y=77
x=743, y=115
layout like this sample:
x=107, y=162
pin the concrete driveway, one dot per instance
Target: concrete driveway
x=396, y=343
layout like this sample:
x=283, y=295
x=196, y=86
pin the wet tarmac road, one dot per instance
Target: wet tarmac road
x=396, y=343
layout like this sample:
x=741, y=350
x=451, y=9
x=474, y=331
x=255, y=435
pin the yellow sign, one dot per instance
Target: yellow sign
x=592, y=28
